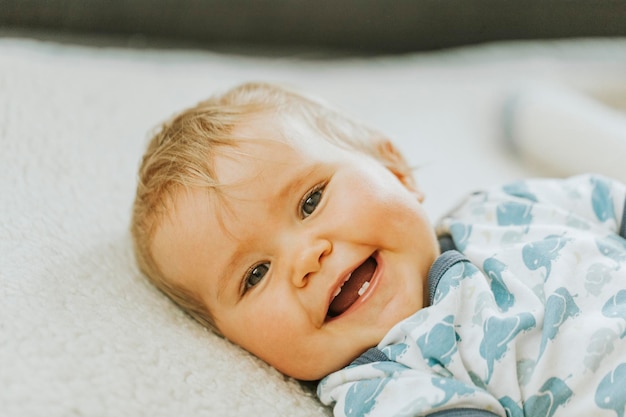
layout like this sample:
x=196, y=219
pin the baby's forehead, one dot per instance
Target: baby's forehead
x=288, y=128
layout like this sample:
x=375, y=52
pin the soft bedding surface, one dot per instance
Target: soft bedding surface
x=82, y=333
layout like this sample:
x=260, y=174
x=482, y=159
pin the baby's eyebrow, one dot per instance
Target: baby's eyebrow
x=297, y=181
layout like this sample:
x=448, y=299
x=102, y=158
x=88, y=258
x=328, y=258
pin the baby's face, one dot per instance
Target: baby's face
x=311, y=254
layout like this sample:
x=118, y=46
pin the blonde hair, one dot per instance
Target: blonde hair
x=181, y=152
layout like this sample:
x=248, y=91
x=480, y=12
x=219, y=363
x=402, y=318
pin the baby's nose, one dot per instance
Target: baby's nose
x=309, y=259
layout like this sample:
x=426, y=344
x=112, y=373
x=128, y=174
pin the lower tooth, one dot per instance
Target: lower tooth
x=366, y=284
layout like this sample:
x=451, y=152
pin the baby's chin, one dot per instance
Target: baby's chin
x=325, y=364
x=316, y=372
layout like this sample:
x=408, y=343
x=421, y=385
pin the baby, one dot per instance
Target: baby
x=299, y=235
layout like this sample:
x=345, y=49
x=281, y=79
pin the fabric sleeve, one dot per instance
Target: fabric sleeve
x=595, y=198
x=387, y=389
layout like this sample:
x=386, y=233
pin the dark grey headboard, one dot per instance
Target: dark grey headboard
x=360, y=25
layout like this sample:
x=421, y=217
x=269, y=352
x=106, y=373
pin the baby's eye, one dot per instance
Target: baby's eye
x=255, y=275
x=311, y=201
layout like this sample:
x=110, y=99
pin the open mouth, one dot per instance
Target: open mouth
x=353, y=288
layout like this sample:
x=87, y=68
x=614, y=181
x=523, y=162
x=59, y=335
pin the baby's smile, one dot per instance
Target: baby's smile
x=353, y=287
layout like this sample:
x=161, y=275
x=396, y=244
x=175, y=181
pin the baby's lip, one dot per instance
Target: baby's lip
x=363, y=284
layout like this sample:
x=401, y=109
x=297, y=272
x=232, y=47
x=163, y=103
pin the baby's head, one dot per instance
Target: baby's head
x=284, y=226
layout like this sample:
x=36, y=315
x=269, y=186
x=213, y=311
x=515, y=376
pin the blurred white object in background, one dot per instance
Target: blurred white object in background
x=564, y=132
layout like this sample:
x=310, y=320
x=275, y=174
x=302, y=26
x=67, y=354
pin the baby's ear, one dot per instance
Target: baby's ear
x=393, y=159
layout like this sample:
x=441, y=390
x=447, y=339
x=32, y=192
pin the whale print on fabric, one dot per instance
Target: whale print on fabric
x=615, y=307
x=511, y=407
x=577, y=222
x=416, y=407
x=440, y=343
x=559, y=307
x=452, y=279
x=494, y=268
x=389, y=368
x=601, y=200
x=602, y=343
x=483, y=300
x=361, y=397
x=498, y=333
x=541, y=254
x=393, y=352
x=513, y=213
x=552, y=394
x=598, y=275
x=611, y=392
x=460, y=234
x=450, y=388
x=511, y=237
x=525, y=370
x=614, y=248
x=520, y=189
x=477, y=381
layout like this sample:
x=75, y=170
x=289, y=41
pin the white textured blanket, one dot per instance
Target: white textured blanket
x=81, y=332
